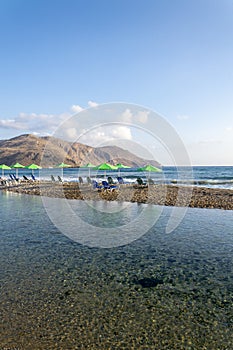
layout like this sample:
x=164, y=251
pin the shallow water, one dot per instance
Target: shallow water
x=161, y=291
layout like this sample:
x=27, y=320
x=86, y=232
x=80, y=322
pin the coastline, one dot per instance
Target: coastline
x=168, y=195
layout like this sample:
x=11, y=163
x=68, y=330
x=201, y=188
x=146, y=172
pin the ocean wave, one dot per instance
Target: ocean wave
x=203, y=182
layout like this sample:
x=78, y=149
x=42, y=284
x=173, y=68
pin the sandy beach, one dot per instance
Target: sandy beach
x=168, y=195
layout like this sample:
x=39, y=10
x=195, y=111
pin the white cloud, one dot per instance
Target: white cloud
x=121, y=132
x=126, y=116
x=229, y=129
x=76, y=109
x=92, y=104
x=142, y=116
x=106, y=134
x=10, y=124
x=34, y=123
x=42, y=123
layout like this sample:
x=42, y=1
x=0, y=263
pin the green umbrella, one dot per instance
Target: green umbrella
x=33, y=167
x=4, y=167
x=63, y=165
x=105, y=167
x=149, y=168
x=121, y=166
x=17, y=166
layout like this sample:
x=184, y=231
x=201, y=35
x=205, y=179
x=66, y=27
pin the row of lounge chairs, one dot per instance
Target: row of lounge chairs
x=25, y=178
x=105, y=184
x=14, y=180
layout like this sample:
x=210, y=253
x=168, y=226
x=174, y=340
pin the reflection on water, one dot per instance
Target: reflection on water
x=101, y=224
x=162, y=291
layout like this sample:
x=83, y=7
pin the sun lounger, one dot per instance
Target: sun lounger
x=33, y=177
x=95, y=185
x=53, y=178
x=13, y=178
x=4, y=182
x=120, y=180
x=80, y=180
x=110, y=180
x=25, y=178
x=140, y=183
x=89, y=180
x=60, y=179
x=107, y=186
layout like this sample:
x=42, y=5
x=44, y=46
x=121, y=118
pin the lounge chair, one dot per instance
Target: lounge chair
x=25, y=178
x=60, y=179
x=110, y=180
x=4, y=182
x=120, y=180
x=89, y=180
x=140, y=181
x=95, y=185
x=107, y=186
x=150, y=181
x=12, y=178
x=33, y=177
x=52, y=178
x=80, y=180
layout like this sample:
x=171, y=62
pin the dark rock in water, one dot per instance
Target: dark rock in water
x=149, y=282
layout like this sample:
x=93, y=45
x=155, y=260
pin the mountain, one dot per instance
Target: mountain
x=50, y=151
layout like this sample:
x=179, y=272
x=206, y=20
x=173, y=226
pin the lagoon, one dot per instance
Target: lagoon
x=160, y=291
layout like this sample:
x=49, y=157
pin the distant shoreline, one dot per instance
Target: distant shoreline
x=168, y=195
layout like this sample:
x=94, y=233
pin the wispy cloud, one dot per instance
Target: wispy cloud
x=49, y=124
x=42, y=123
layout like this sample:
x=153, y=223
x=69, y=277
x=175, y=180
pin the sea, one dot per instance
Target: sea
x=204, y=176
x=149, y=289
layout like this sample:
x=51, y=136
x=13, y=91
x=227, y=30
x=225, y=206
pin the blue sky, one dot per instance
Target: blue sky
x=174, y=57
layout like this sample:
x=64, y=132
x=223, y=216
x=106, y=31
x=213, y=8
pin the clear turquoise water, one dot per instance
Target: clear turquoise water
x=162, y=291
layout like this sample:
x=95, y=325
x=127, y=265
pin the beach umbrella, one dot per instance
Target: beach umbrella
x=149, y=168
x=121, y=166
x=33, y=167
x=17, y=166
x=105, y=167
x=62, y=166
x=4, y=167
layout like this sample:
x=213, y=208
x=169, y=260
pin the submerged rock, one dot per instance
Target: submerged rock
x=149, y=282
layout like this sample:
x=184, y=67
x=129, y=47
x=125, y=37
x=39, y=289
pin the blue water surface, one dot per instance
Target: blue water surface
x=161, y=291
